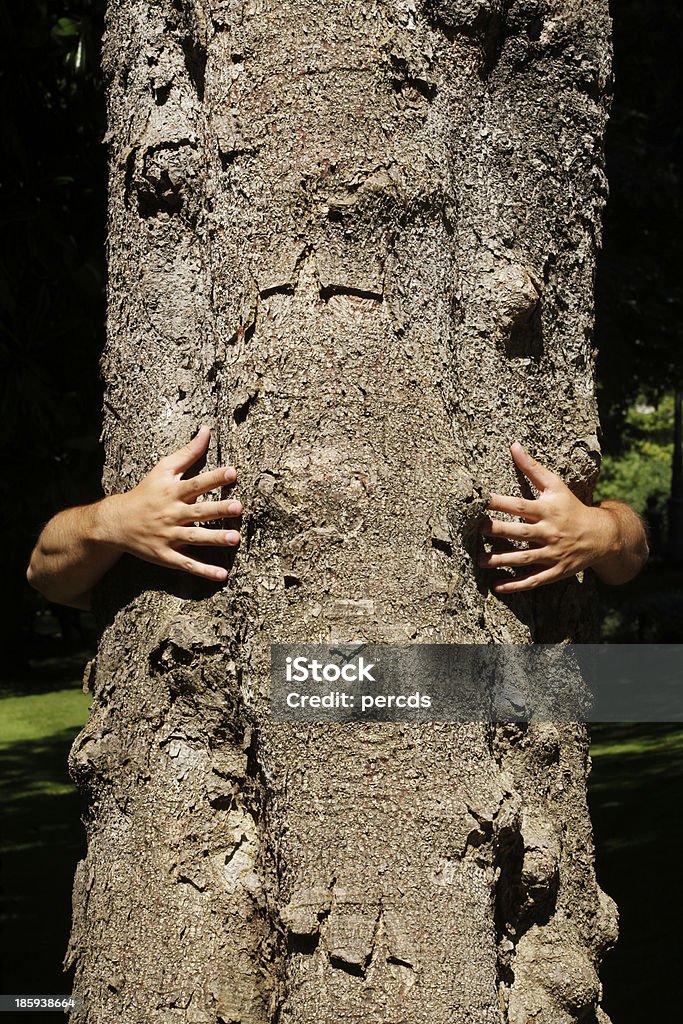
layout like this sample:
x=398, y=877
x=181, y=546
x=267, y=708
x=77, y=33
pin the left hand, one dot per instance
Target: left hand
x=564, y=535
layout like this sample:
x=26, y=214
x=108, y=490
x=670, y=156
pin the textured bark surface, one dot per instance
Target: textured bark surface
x=358, y=238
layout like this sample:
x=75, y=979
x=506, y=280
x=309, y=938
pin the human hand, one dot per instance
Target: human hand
x=154, y=520
x=564, y=535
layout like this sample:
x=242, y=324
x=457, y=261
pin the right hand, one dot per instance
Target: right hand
x=154, y=521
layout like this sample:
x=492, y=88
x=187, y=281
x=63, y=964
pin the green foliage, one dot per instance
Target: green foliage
x=65, y=27
x=74, y=37
x=643, y=469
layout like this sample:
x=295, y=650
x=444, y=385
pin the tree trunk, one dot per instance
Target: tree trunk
x=359, y=239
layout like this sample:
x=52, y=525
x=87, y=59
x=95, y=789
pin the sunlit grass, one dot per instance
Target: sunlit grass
x=643, y=744
x=634, y=792
x=41, y=714
x=42, y=835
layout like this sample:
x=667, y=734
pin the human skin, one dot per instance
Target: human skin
x=564, y=535
x=153, y=521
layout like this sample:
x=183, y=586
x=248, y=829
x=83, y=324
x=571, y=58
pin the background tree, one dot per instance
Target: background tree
x=362, y=245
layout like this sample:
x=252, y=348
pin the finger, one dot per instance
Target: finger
x=540, y=477
x=512, y=531
x=203, y=482
x=178, y=560
x=515, y=506
x=528, y=582
x=534, y=556
x=180, y=461
x=208, y=511
x=201, y=535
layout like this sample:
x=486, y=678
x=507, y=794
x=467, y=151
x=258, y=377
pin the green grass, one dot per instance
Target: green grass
x=35, y=730
x=36, y=715
x=619, y=740
x=635, y=795
x=42, y=837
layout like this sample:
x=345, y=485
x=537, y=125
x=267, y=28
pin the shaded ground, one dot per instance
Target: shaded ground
x=648, y=610
x=42, y=837
x=635, y=798
x=635, y=793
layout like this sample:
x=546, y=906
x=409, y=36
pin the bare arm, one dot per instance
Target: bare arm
x=564, y=536
x=625, y=544
x=153, y=522
x=72, y=553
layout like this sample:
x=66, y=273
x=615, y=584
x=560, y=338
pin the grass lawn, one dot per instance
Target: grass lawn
x=42, y=837
x=635, y=793
x=635, y=797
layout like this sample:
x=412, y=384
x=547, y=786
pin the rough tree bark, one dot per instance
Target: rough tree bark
x=359, y=239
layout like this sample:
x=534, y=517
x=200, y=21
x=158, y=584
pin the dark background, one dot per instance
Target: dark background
x=52, y=314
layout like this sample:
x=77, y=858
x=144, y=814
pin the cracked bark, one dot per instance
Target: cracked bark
x=359, y=239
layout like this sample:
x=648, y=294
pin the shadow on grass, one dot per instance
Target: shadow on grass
x=635, y=796
x=634, y=793
x=42, y=839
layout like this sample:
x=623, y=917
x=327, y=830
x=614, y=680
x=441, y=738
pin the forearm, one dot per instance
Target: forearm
x=74, y=550
x=625, y=543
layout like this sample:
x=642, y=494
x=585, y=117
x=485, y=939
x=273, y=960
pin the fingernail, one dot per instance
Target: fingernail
x=232, y=537
x=235, y=507
x=221, y=574
x=229, y=474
